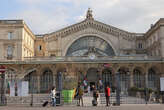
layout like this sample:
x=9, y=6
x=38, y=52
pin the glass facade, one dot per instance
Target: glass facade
x=90, y=44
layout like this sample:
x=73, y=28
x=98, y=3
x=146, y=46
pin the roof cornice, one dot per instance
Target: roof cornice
x=92, y=24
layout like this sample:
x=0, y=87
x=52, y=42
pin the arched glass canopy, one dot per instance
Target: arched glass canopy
x=90, y=45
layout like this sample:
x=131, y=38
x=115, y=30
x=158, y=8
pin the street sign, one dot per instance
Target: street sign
x=106, y=65
x=2, y=69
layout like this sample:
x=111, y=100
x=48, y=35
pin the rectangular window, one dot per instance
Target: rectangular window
x=10, y=35
x=9, y=52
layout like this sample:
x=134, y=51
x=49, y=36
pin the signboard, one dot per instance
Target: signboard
x=162, y=83
x=106, y=65
x=2, y=69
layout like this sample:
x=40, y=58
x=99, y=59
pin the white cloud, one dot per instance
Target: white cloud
x=130, y=15
x=40, y=22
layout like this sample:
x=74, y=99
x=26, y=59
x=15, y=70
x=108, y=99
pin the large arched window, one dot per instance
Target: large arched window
x=137, y=78
x=46, y=81
x=107, y=77
x=90, y=45
x=152, y=79
x=33, y=82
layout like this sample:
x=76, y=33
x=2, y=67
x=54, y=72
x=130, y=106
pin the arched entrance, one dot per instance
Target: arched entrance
x=33, y=81
x=46, y=81
x=138, y=78
x=107, y=77
x=153, y=79
x=124, y=80
x=10, y=78
x=92, y=77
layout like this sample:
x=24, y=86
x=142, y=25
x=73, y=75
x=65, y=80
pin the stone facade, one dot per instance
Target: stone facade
x=27, y=55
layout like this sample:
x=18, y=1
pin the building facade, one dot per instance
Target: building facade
x=89, y=49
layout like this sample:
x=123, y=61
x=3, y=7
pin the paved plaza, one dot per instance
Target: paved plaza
x=122, y=107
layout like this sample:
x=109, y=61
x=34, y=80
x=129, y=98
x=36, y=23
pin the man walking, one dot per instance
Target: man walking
x=107, y=95
x=80, y=94
x=53, y=96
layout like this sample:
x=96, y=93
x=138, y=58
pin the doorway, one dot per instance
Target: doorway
x=92, y=77
x=92, y=84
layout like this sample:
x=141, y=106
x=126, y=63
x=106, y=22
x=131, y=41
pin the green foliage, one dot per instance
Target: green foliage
x=141, y=89
x=133, y=89
x=150, y=90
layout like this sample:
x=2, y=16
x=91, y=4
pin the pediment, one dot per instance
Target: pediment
x=99, y=26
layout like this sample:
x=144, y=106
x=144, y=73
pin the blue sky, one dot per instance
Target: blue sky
x=44, y=16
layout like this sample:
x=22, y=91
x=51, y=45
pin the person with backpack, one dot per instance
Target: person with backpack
x=107, y=95
x=80, y=93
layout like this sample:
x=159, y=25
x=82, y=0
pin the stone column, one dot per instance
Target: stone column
x=130, y=73
x=146, y=80
x=54, y=80
x=161, y=39
x=131, y=79
x=38, y=79
x=114, y=76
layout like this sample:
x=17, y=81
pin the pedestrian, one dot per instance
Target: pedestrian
x=100, y=84
x=95, y=96
x=95, y=93
x=89, y=89
x=85, y=85
x=53, y=96
x=107, y=95
x=80, y=93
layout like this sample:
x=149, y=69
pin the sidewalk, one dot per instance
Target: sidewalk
x=122, y=107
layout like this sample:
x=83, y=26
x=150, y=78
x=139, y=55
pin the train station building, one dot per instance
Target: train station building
x=88, y=50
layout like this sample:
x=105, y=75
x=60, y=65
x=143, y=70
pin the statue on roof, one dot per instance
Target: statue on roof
x=89, y=14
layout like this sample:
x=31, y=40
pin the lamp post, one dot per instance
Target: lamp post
x=31, y=82
x=16, y=86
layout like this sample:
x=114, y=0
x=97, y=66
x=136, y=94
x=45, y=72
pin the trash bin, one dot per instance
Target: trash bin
x=67, y=95
x=58, y=101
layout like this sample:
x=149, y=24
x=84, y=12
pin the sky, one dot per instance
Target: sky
x=45, y=16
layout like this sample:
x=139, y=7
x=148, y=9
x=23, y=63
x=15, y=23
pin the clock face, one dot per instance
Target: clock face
x=92, y=56
x=85, y=45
